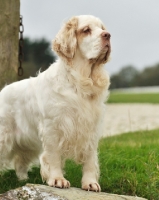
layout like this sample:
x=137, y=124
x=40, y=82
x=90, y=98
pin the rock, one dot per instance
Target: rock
x=42, y=192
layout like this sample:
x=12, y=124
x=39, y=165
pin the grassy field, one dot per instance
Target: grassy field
x=129, y=165
x=133, y=97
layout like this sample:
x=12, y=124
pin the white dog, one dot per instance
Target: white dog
x=57, y=115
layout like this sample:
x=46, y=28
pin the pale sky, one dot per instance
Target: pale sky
x=133, y=24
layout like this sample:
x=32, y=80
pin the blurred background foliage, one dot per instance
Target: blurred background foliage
x=38, y=56
x=129, y=76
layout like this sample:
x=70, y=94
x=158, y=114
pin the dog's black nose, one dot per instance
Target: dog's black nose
x=106, y=35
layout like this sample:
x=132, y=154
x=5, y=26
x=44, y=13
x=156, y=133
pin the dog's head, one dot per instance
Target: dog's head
x=86, y=34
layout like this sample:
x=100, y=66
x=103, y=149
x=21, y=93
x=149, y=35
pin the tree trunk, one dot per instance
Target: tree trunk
x=9, y=31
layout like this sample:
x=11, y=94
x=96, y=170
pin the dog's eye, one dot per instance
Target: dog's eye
x=87, y=30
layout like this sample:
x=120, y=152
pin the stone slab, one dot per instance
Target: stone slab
x=42, y=192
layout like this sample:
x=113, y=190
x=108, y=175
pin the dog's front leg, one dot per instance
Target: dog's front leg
x=91, y=173
x=51, y=170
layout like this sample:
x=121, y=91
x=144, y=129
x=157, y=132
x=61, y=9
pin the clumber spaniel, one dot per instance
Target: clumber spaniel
x=58, y=114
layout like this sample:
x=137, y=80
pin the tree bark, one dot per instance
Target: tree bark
x=9, y=31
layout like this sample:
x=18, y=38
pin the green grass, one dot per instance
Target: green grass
x=129, y=165
x=133, y=98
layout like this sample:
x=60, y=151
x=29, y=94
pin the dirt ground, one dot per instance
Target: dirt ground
x=122, y=118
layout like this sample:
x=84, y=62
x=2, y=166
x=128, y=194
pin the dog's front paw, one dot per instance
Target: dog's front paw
x=22, y=176
x=92, y=186
x=58, y=182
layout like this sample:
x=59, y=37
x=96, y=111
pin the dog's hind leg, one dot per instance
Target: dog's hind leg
x=6, y=147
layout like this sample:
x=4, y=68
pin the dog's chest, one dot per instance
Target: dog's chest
x=75, y=110
x=78, y=129
x=76, y=123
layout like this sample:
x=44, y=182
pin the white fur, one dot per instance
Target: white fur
x=58, y=114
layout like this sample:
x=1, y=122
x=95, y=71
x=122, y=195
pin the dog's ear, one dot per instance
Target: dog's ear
x=65, y=42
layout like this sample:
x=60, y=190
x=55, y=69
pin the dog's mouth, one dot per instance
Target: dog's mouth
x=103, y=54
x=106, y=45
x=103, y=57
x=105, y=51
x=108, y=53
